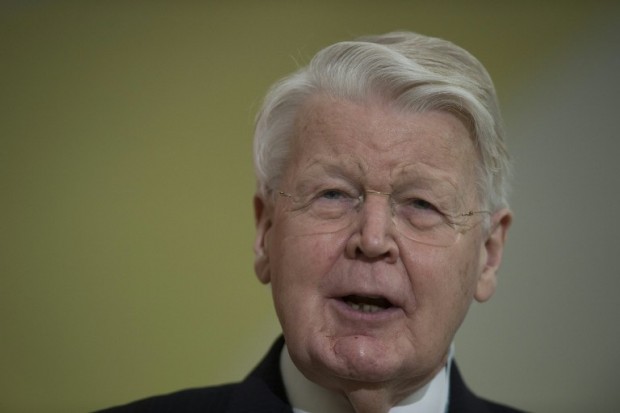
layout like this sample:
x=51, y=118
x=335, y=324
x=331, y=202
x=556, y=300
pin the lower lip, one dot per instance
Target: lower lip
x=351, y=314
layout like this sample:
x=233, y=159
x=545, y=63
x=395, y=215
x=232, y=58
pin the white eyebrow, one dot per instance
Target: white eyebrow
x=421, y=171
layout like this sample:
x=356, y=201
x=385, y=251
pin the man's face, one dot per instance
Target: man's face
x=361, y=302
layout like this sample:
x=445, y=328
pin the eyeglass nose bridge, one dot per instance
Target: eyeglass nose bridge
x=370, y=191
x=387, y=195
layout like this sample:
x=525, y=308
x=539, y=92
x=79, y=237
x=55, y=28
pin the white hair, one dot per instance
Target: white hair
x=413, y=71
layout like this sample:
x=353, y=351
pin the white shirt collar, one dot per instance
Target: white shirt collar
x=308, y=397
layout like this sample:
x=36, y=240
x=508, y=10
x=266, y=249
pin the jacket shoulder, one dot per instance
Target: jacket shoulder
x=463, y=400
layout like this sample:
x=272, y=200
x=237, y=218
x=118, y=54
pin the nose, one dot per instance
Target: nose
x=373, y=238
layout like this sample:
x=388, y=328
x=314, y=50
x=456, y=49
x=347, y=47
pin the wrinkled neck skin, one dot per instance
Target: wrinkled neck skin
x=381, y=397
x=366, y=400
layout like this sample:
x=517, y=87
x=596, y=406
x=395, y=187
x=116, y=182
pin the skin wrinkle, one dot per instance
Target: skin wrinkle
x=407, y=176
x=373, y=364
x=309, y=121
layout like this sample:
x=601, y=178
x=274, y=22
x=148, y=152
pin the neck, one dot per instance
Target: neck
x=347, y=396
x=370, y=400
x=381, y=397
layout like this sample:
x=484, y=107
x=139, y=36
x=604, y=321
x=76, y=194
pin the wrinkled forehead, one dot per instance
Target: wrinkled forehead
x=346, y=166
x=380, y=143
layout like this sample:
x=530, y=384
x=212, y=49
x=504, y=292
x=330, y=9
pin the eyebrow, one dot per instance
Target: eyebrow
x=338, y=168
x=430, y=176
x=421, y=174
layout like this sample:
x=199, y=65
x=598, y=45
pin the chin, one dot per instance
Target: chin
x=358, y=358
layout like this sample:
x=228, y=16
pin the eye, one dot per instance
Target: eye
x=333, y=194
x=420, y=214
x=332, y=203
x=422, y=204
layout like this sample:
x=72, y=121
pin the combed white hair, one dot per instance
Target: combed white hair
x=413, y=71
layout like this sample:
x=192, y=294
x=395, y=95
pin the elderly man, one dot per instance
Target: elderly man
x=381, y=214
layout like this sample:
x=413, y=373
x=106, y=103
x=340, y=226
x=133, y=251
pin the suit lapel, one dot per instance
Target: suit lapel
x=462, y=400
x=263, y=390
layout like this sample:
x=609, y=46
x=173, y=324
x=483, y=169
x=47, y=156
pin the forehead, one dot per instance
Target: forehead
x=380, y=141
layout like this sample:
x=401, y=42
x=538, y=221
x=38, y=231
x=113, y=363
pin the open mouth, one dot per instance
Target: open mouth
x=367, y=304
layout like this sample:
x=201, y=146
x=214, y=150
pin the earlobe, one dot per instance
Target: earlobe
x=263, y=220
x=491, y=257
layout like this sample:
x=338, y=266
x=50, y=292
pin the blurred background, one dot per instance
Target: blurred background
x=126, y=181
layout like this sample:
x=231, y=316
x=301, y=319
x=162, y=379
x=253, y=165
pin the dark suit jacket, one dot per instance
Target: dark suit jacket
x=263, y=392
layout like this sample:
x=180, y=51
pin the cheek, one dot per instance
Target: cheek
x=471, y=269
x=299, y=271
x=299, y=265
x=305, y=257
x=443, y=281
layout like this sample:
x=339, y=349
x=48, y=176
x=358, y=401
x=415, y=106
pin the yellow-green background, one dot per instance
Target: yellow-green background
x=126, y=225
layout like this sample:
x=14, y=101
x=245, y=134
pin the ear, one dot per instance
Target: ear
x=491, y=256
x=263, y=219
